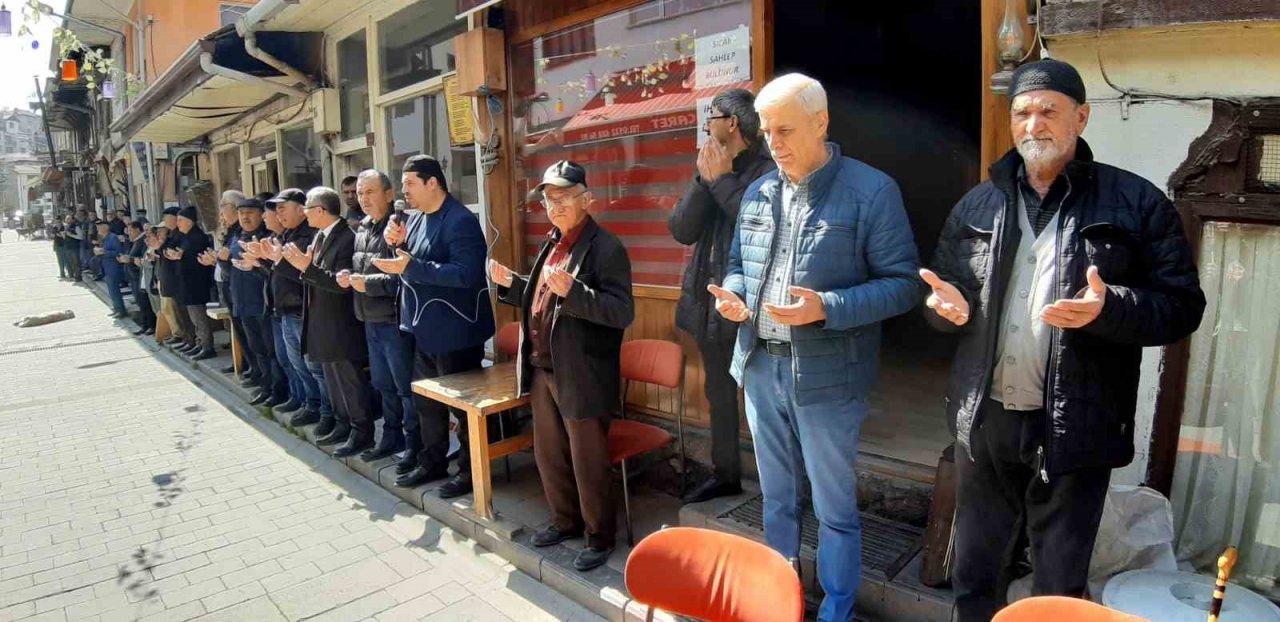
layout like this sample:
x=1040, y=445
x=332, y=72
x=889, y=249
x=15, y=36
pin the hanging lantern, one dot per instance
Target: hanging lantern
x=559, y=105
x=591, y=83
x=70, y=72
x=109, y=89
x=6, y=21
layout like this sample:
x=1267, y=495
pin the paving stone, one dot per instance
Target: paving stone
x=334, y=589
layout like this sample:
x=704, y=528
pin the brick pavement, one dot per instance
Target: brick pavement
x=127, y=492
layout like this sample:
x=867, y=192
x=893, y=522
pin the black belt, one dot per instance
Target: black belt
x=776, y=348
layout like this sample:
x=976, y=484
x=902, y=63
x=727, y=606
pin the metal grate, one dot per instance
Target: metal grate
x=1264, y=163
x=884, y=542
x=61, y=343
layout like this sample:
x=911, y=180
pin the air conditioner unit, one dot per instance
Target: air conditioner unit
x=326, y=111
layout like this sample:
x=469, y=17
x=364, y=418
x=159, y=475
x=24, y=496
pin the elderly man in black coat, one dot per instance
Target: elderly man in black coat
x=581, y=286
x=194, y=256
x=331, y=334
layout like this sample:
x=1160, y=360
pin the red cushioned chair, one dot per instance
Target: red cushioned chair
x=1043, y=608
x=714, y=576
x=651, y=361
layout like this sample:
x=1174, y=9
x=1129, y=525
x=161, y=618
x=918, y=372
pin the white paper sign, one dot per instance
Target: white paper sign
x=704, y=111
x=723, y=58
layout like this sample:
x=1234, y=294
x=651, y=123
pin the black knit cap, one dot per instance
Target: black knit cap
x=1047, y=75
x=190, y=213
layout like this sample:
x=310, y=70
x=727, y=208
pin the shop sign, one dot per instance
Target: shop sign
x=458, y=108
x=723, y=58
x=664, y=122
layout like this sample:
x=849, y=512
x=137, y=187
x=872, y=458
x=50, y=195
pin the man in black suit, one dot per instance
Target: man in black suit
x=581, y=285
x=331, y=334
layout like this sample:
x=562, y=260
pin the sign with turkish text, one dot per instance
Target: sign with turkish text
x=461, y=119
x=722, y=58
x=665, y=122
x=704, y=113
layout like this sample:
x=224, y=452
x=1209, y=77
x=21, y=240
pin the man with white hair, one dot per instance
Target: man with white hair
x=822, y=254
x=1055, y=272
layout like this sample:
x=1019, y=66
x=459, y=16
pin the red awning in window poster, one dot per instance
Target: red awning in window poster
x=642, y=100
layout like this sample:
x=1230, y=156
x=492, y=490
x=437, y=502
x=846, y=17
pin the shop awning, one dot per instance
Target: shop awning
x=188, y=102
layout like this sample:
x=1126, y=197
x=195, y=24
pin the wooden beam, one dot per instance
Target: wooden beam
x=1063, y=19
x=595, y=11
x=762, y=24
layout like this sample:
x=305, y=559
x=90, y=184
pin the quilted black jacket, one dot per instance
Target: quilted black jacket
x=1112, y=219
x=380, y=303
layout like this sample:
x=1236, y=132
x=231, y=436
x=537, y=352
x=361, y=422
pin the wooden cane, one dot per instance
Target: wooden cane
x=1225, y=564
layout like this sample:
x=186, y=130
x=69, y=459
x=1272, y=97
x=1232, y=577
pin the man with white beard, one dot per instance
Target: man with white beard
x=1056, y=273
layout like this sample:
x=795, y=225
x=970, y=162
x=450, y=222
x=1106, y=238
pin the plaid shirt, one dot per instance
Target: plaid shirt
x=795, y=208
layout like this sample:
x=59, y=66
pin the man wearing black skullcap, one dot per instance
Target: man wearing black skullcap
x=195, y=269
x=1056, y=273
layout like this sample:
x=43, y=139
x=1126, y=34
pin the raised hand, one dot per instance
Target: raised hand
x=945, y=299
x=729, y=305
x=344, y=279
x=224, y=253
x=1081, y=310
x=358, y=282
x=559, y=280
x=394, y=266
x=500, y=274
x=394, y=234
x=807, y=310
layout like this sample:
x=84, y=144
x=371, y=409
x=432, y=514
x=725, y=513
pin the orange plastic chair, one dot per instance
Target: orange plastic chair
x=651, y=361
x=507, y=341
x=713, y=576
x=1061, y=609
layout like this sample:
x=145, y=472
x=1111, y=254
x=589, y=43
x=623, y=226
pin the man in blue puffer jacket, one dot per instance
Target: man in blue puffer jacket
x=822, y=254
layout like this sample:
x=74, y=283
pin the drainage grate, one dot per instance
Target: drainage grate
x=55, y=344
x=884, y=542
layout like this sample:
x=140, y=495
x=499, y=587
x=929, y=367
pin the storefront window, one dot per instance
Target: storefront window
x=625, y=96
x=229, y=169
x=353, y=86
x=421, y=125
x=416, y=44
x=353, y=163
x=262, y=147
x=301, y=158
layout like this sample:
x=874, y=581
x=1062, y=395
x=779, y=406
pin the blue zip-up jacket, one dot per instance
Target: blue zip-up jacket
x=855, y=248
x=248, y=288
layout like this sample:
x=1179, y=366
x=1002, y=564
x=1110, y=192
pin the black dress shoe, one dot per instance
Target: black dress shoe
x=150, y=331
x=184, y=348
x=276, y=401
x=304, y=417
x=711, y=489
x=339, y=435
x=172, y=341
x=420, y=476
x=457, y=486
x=407, y=463
x=552, y=536
x=204, y=355
x=354, y=445
x=140, y=332
x=380, y=452
x=287, y=406
x=591, y=557
x=326, y=426
x=250, y=383
x=229, y=369
x=260, y=398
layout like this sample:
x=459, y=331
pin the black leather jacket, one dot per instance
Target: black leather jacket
x=379, y=303
x=1112, y=219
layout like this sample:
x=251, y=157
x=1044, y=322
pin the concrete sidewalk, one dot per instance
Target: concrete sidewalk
x=127, y=492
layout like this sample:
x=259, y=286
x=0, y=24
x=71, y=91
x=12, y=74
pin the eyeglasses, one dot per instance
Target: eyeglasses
x=720, y=116
x=562, y=201
x=311, y=207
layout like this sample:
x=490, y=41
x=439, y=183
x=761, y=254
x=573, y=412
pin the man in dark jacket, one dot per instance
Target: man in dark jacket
x=180, y=334
x=229, y=230
x=728, y=162
x=133, y=270
x=288, y=293
x=353, y=212
x=112, y=268
x=1056, y=272
x=377, y=305
x=247, y=286
x=331, y=334
x=580, y=284
x=194, y=255
x=440, y=260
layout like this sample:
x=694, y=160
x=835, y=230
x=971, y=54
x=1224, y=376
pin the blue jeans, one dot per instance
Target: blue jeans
x=309, y=373
x=297, y=390
x=821, y=440
x=115, y=281
x=391, y=370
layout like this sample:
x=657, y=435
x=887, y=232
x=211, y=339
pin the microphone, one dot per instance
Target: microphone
x=400, y=214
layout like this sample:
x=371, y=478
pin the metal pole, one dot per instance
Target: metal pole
x=44, y=116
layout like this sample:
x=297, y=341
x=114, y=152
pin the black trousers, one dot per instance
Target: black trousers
x=722, y=393
x=433, y=417
x=350, y=394
x=256, y=335
x=143, y=300
x=250, y=358
x=1000, y=496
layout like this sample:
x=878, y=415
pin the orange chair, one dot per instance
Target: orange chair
x=651, y=361
x=507, y=341
x=1040, y=608
x=714, y=576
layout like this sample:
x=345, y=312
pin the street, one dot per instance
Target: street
x=128, y=492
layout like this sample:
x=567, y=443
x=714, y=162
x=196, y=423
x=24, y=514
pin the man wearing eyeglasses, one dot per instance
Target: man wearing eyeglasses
x=728, y=162
x=580, y=285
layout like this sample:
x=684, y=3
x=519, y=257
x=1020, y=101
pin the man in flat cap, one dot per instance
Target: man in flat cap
x=1056, y=273
x=580, y=284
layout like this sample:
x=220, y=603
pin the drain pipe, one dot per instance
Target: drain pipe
x=207, y=65
x=247, y=27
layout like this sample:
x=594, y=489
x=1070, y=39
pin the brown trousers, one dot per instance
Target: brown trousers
x=573, y=461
